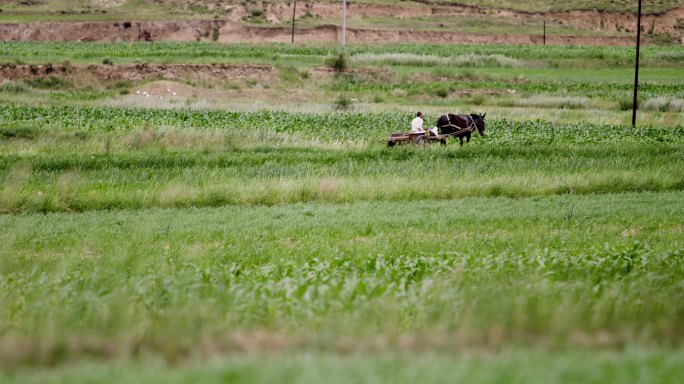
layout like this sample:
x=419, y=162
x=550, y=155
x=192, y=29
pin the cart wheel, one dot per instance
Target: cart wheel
x=422, y=141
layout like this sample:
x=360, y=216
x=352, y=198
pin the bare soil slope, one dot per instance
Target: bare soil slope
x=140, y=72
x=235, y=32
x=231, y=27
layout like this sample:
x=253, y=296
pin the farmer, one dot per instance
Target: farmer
x=417, y=123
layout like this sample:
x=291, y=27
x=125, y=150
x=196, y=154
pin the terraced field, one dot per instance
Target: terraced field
x=186, y=242
x=577, y=22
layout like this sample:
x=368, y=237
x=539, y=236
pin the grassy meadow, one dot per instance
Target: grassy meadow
x=260, y=230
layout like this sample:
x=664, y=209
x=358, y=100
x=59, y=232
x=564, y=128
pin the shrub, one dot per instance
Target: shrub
x=107, y=61
x=399, y=93
x=442, y=92
x=10, y=86
x=343, y=103
x=51, y=82
x=478, y=99
x=340, y=63
x=18, y=132
x=626, y=104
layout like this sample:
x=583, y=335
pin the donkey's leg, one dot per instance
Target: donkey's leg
x=468, y=137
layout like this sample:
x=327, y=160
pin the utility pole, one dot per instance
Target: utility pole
x=636, y=70
x=294, y=11
x=344, y=22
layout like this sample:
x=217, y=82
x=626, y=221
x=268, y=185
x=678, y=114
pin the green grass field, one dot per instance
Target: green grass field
x=210, y=238
x=558, y=84
x=510, y=367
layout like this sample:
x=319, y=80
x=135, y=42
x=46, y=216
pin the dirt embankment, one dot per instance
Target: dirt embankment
x=140, y=72
x=235, y=32
x=109, y=31
x=230, y=29
x=668, y=22
x=359, y=35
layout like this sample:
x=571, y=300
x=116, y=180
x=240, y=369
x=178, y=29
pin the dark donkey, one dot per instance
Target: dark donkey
x=461, y=125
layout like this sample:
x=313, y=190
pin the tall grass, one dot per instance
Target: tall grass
x=455, y=274
x=664, y=104
x=150, y=169
x=510, y=366
x=556, y=102
x=467, y=60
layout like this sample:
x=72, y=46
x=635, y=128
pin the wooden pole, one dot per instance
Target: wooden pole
x=294, y=11
x=636, y=68
x=544, y=32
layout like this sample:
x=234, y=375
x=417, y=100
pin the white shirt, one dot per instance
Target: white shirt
x=417, y=125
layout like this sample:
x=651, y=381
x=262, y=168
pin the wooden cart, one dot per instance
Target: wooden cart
x=422, y=138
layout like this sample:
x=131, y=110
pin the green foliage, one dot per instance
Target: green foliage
x=10, y=86
x=364, y=270
x=343, y=103
x=478, y=99
x=442, y=92
x=49, y=82
x=534, y=366
x=305, y=226
x=192, y=50
x=339, y=63
x=179, y=147
x=329, y=127
x=18, y=132
x=626, y=104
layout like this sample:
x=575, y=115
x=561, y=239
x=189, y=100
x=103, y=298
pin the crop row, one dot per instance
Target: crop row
x=329, y=127
x=607, y=90
x=196, y=50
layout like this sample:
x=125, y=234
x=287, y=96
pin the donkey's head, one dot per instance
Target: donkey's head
x=479, y=123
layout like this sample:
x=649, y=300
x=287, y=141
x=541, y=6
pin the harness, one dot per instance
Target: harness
x=470, y=124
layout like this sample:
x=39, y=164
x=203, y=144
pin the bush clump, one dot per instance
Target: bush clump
x=340, y=63
x=626, y=104
x=51, y=82
x=10, y=86
x=343, y=103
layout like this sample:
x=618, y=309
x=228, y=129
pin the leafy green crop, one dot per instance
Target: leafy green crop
x=352, y=127
x=95, y=51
